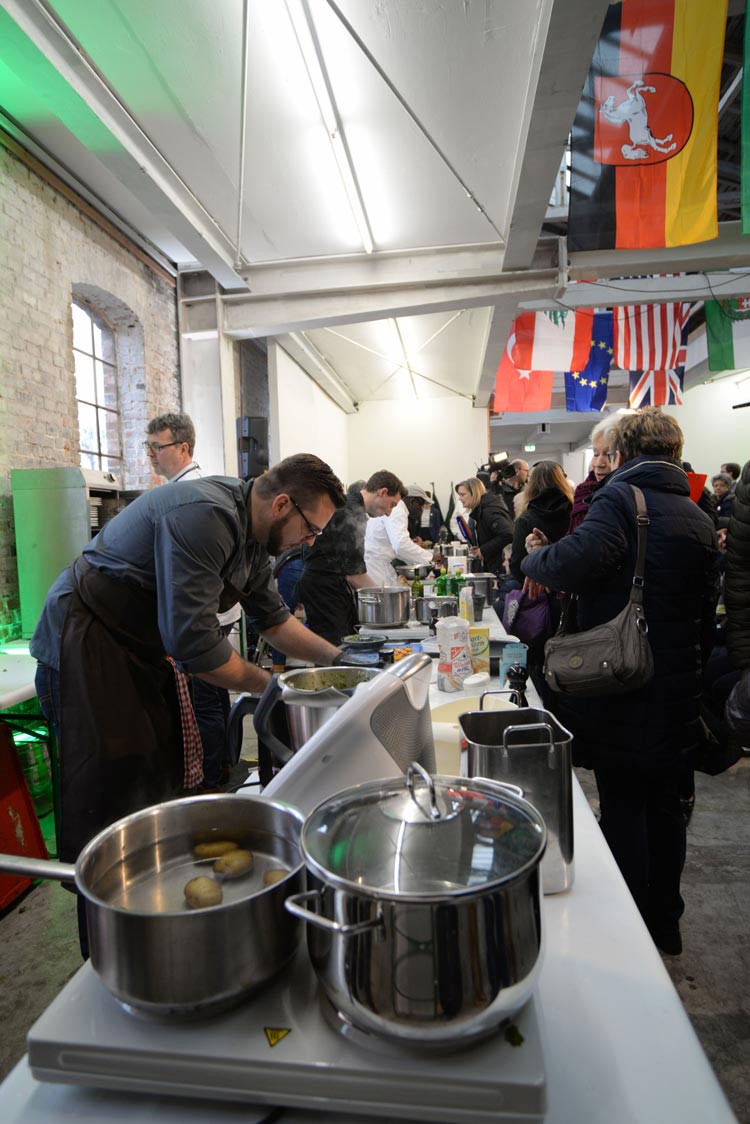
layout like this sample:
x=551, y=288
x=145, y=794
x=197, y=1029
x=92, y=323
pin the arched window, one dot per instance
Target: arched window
x=95, y=356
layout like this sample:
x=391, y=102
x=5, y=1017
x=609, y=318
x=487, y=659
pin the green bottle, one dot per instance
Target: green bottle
x=441, y=584
x=417, y=588
x=456, y=582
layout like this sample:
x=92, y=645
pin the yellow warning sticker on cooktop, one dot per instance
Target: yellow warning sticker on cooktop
x=274, y=1034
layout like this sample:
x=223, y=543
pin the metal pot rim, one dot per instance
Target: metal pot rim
x=93, y=845
x=337, y=882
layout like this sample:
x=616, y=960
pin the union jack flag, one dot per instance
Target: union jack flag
x=660, y=388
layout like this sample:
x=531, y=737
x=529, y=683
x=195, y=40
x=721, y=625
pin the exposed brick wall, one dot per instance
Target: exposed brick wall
x=49, y=248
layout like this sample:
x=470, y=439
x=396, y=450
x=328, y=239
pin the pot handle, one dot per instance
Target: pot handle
x=291, y=904
x=37, y=868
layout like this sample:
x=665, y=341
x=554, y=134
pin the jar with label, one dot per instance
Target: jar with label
x=466, y=603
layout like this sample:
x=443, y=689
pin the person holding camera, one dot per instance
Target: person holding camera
x=512, y=479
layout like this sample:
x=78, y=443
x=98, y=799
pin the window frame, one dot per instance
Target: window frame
x=115, y=461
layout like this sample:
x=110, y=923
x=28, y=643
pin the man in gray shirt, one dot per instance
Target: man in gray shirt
x=151, y=583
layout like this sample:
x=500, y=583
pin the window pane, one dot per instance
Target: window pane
x=104, y=347
x=88, y=460
x=81, y=329
x=109, y=432
x=84, y=377
x=112, y=465
x=106, y=385
x=87, y=426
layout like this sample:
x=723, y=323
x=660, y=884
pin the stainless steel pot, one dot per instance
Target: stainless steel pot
x=456, y=550
x=384, y=607
x=149, y=949
x=412, y=572
x=427, y=921
x=446, y=607
x=483, y=583
x=311, y=697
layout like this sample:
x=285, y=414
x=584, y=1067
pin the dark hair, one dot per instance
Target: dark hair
x=303, y=476
x=648, y=432
x=180, y=425
x=733, y=469
x=355, y=488
x=385, y=479
x=546, y=474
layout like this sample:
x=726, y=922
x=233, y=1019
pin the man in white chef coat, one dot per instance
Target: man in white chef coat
x=387, y=538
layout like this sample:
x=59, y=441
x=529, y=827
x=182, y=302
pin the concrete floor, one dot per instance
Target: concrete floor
x=39, y=944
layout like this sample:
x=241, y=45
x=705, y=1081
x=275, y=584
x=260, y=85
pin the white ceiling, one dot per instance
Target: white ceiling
x=455, y=114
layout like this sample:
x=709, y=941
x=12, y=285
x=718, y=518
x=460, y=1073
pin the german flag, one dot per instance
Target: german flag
x=643, y=171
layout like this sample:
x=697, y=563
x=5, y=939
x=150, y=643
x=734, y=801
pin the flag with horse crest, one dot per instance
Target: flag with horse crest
x=643, y=143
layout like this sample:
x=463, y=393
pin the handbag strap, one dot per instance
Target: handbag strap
x=642, y=524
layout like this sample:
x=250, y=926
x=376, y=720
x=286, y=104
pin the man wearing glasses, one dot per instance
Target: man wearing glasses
x=335, y=568
x=169, y=445
x=151, y=584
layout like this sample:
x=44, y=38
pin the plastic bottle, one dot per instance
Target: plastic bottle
x=456, y=583
x=466, y=603
x=454, y=658
x=441, y=583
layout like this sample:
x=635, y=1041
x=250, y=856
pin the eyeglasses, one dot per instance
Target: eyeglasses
x=315, y=531
x=152, y=447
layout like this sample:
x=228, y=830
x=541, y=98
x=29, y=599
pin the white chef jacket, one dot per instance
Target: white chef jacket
x=386, y=538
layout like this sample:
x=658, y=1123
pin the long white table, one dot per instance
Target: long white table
x=17, y=671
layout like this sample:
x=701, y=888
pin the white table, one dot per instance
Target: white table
x=17, y=671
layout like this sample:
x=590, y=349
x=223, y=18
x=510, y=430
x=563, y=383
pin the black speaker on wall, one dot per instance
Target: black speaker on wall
x=252, y=446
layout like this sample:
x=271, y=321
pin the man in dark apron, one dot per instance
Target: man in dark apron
x=151, y=584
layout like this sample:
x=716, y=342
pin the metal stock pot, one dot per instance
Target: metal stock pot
x=386, y=607
x=149, y=949
x=427, y=923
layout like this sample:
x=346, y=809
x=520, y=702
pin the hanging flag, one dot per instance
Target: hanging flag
x=643, y=143
x=649, y=336
x=660, y=388
x=728, y=333
x=586, y=390
x=552, y=341
x=521, y=391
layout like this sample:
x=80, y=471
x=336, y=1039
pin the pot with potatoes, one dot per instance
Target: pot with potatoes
x=185, y=901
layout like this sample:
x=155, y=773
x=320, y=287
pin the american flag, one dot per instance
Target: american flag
x=649, y=337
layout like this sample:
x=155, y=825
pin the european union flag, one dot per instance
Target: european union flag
x=586, y=390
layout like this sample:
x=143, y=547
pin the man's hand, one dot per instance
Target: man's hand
x=536, y=539
x=237, y=675
x=532, y=589
x=476, y=552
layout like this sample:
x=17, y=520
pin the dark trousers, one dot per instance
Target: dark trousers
x=642, y=821
x=211, y=705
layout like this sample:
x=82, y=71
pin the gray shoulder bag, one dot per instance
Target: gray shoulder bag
x=614, y=657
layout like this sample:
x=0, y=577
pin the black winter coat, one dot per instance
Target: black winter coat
x=737, y=574
x=494, y=530
x=656, y=726
x=550, y=513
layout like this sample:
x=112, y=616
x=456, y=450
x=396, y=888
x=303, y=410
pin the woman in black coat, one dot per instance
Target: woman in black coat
x=640, y=744
x=548, y=502
x=493, y=526
x=737, y=575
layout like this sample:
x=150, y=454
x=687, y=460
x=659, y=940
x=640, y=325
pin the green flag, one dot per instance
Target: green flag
x=451, y=507
x=728, y=334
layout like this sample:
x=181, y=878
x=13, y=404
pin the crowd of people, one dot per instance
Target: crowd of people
x=135, y=659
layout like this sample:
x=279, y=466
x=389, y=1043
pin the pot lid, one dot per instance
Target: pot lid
x=420, y=837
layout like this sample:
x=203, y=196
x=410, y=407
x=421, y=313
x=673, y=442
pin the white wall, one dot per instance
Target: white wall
x=302, y=418
x=714, y=432
x=440, y=440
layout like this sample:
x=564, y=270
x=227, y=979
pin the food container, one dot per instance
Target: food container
x=385, y=607
x=447, y=606
x=426, y=921
x=412, y=572
x=482, y=583
x=479, y=644
x=529, y=748
x=149, y=949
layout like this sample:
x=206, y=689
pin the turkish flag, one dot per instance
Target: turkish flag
x=521, y=391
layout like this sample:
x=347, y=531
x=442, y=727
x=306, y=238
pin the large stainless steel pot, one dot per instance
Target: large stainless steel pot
x=427, y=921
x=456, y=550
x=384, y=607
x=446, y=607
x=150, y=950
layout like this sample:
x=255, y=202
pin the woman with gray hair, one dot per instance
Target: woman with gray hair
x=602, y=436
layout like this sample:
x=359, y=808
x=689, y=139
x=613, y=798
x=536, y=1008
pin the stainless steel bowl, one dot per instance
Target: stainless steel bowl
x=412, y=572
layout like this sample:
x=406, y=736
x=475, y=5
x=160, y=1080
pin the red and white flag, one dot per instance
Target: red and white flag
x=521, y=391
x=648, y=337
x=552, y=341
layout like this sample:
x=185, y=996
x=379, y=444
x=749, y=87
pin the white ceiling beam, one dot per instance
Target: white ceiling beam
x=728, y=251
x=562, y=61
x=137, y=157
x=319, y=369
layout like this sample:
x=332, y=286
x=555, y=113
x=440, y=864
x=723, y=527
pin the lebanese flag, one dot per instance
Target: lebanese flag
x=643, y=143
x=649, y=337
x=552, y=341
x=521, y=392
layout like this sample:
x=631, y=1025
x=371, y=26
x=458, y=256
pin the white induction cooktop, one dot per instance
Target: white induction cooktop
x=286, y=1047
